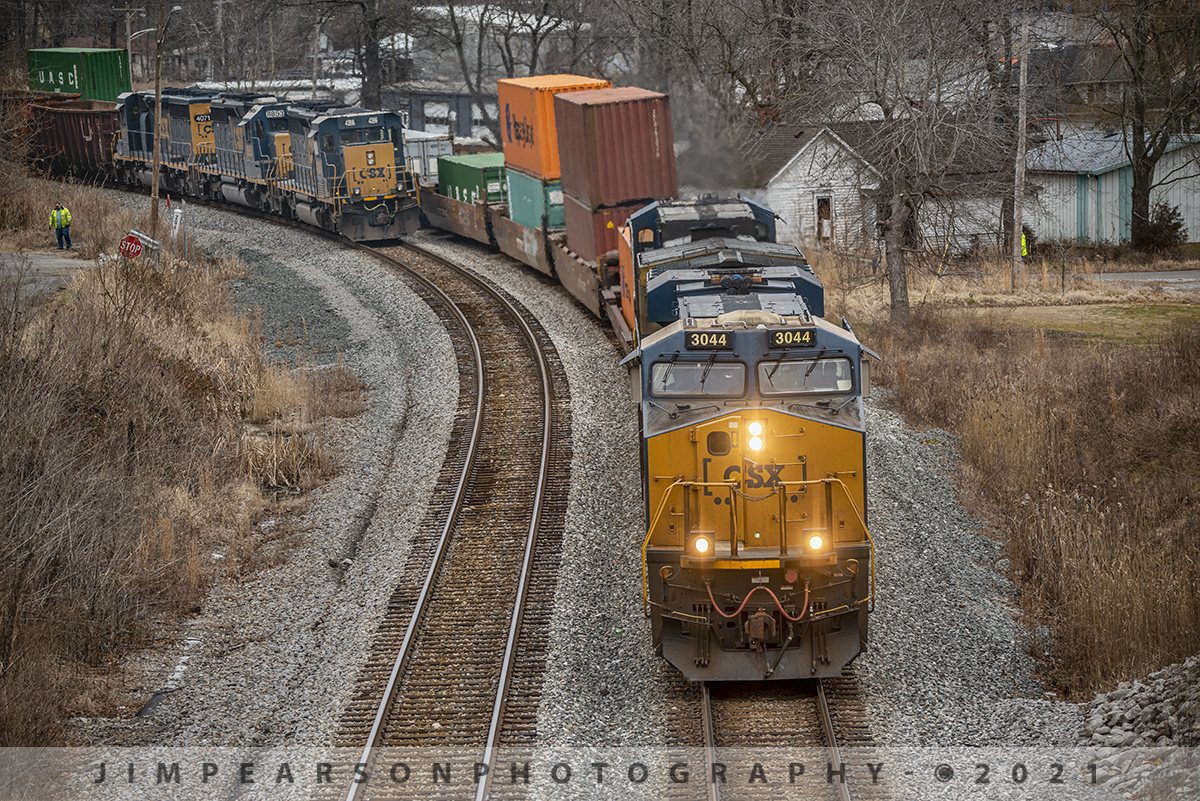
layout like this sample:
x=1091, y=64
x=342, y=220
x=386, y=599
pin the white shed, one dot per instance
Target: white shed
x=822, y=193
x=824, y=189
x=1085, y=188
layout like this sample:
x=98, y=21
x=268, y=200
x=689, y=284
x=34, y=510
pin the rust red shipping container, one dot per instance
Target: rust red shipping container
x=615, y=146
x=593, y=232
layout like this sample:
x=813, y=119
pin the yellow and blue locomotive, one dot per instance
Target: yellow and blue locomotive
x=341, y=169
x=757, y=562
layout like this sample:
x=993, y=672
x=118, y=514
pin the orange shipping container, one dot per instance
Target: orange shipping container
x=529, y=135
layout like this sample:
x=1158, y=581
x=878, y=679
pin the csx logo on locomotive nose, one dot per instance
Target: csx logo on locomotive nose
x=755, y=477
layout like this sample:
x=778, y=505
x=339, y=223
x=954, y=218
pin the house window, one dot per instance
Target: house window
x=824, y=219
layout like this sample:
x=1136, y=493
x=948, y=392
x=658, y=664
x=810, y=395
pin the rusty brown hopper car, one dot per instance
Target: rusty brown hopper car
x=76, y=137
x=16, y=111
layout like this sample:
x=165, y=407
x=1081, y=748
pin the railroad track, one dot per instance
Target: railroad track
x=457, y=660
x=771, y=740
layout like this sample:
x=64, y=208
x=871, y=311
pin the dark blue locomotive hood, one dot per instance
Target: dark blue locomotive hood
x=710, y=277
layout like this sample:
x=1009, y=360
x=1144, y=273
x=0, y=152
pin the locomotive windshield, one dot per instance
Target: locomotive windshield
x=698, y=378
x=805, y=376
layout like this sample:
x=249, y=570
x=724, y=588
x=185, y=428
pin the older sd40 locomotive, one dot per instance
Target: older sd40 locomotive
x=757, y=562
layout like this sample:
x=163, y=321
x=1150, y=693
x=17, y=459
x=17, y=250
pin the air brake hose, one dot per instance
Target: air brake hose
x=746, y=600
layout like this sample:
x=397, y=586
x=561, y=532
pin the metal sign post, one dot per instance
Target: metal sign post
x=153, y=245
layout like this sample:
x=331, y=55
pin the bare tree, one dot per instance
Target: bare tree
x=913, y=71
x=1158, y=50
x=521, y=30
x=490, y=40
x=366, y=23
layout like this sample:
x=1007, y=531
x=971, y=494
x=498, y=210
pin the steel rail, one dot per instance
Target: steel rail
x=498, y=704
x=835, y=758
x=418, y=611
x=710, y=741
x=493, y=736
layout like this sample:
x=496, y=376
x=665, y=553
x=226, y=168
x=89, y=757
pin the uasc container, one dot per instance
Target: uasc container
x=527, y=119
x=474, y=178
x=616, y=146
x=532, y=200
x=95, y=73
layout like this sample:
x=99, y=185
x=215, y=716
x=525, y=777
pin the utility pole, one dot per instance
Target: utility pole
x=129, y=12
x=1019, y=190
x=316, y=57
x=163, y=19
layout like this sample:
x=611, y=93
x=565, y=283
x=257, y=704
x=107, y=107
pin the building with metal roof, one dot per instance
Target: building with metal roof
x=1084, y=186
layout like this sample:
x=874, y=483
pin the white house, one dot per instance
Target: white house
x=823, y=194
x=1085, y=182
x=824, y=189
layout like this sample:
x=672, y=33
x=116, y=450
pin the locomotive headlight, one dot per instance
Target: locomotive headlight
x=701, y=544
x=815, y=542
x=755, y=443
x=755, y=428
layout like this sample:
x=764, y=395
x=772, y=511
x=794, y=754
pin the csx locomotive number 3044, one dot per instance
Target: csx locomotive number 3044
x=757, y=561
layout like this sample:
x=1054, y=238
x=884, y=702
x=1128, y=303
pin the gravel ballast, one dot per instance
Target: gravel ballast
x=272, y=659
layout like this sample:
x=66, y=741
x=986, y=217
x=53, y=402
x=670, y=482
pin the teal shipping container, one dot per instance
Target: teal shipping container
x=472, y=178
x=95, y=73
x=530, y=199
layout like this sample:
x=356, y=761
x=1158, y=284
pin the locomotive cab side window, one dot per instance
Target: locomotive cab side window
x=802, y=376
x=725, y=379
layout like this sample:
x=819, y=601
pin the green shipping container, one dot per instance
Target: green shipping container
x=472, y=178
x=92, y=72
x=530, y=199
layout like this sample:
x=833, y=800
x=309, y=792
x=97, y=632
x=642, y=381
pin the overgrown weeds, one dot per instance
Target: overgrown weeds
x=124, y=456
x=1090, y=453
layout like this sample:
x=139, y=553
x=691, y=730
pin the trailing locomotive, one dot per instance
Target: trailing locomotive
x=341, y=169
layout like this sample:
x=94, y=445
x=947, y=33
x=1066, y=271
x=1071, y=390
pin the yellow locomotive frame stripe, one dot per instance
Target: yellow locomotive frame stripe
x=747, y=565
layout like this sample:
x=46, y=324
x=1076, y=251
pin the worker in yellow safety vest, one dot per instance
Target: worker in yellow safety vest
x=60, y=221
x=1024, y=247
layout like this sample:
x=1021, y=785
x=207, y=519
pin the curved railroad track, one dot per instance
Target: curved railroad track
x=457, y=660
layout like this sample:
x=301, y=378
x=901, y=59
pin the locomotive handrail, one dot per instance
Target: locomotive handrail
x=732, y=485
x=870, y=540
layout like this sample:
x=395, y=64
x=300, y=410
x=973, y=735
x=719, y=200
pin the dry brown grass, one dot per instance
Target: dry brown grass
x=1086, y=449
x=853, y=288
x=1089, y=452
x=124, y=456
x=97, y=224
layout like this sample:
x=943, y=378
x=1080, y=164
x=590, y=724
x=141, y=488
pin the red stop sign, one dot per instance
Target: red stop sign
x=131, y=247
